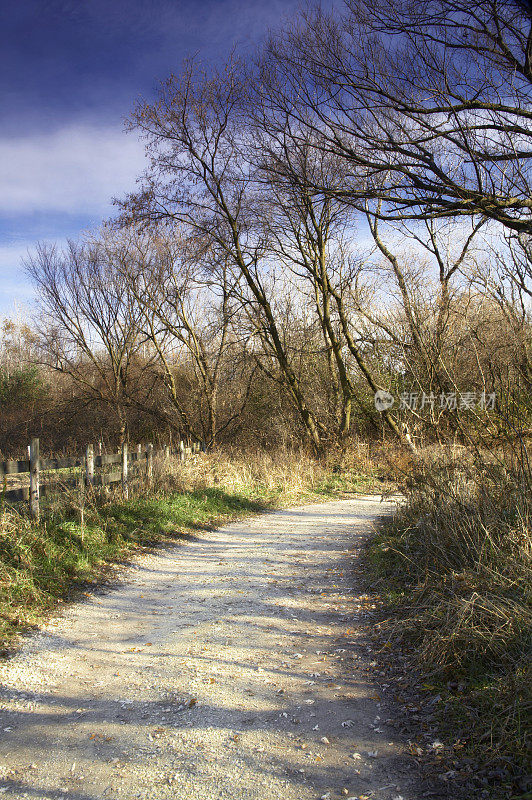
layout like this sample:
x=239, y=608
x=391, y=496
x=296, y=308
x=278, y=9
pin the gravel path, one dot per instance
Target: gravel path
x=228, y=667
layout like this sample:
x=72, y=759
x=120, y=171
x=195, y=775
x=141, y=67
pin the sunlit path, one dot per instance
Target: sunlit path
x=227, y=667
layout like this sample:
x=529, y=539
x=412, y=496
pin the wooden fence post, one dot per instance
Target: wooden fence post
x=34, y=479
x=167, y=452
x=181, y=450
x=149, y=470
x=125, y=490
x=89, y=465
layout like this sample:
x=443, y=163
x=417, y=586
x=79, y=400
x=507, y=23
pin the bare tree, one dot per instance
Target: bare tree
x=311, y=232
x=200, y=177
x=187, y=310
x=308, y=235
x=503, y=274
x=426, y=104
x=90, y=325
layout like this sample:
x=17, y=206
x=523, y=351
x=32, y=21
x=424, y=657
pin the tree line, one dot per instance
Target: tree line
x=347, y=211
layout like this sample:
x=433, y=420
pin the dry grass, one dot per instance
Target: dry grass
x=281, y=474
x=473, y=546
x=456, y=566
x=279, y=477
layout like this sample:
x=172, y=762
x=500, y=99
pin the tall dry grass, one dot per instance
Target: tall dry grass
x=458, y=559
x=279, y=474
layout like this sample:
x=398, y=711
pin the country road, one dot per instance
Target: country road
x=230, y=666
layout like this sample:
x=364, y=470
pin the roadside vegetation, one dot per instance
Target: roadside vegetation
x=453, y=572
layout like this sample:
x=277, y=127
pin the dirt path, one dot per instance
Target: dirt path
x=228, y=667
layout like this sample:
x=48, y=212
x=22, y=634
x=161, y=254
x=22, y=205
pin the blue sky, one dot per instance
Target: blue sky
x=70, y=71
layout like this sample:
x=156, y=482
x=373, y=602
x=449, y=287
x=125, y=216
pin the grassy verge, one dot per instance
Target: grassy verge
x=81, y=536
x=454, y=574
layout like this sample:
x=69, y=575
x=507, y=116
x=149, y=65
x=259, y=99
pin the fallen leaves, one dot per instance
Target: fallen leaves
x=100, y=737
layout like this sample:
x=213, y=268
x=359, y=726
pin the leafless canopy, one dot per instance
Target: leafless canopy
x=426, y=104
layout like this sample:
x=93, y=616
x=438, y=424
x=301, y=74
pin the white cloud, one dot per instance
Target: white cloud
x=75, y=170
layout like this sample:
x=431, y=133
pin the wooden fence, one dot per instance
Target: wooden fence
x=140, y=459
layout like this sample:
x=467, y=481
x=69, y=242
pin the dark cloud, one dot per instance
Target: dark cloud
x=70, y=59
